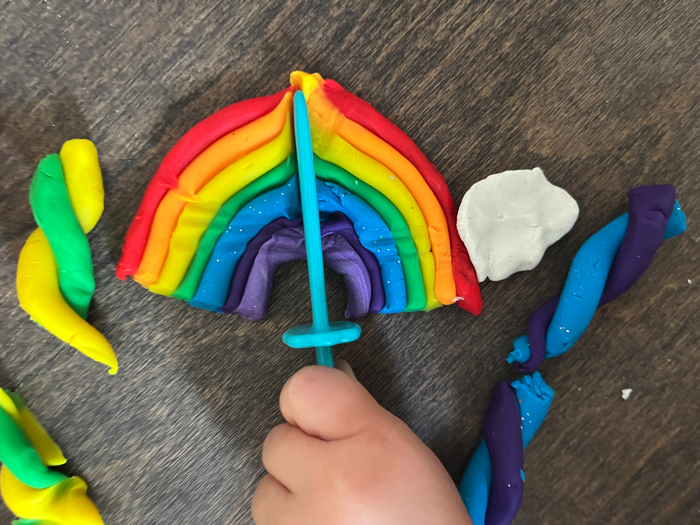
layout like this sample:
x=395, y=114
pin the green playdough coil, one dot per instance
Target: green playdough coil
x=415, y=289
x=53, y=212
x=18, y=455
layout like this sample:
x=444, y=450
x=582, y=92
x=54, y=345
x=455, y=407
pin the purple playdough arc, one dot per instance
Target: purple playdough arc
x=342, y=253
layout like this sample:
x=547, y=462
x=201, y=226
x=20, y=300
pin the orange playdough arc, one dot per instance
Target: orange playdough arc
x=197, y=215
x=332, y=148
x=376, y=148
x=201, y=170
x=373, y=146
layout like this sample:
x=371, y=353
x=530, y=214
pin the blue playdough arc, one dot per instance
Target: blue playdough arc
x=284, y=202
x=534, y=399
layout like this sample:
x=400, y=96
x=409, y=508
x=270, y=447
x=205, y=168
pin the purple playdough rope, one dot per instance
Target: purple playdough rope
x=605, y=267
x=504, y=441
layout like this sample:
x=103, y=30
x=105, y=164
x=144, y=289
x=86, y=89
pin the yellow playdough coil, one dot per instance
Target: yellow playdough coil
x=83, y=176
x=40, y=297
x=66, y=503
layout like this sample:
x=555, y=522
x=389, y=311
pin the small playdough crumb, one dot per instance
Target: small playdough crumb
x=626, y=392
x=508, y=220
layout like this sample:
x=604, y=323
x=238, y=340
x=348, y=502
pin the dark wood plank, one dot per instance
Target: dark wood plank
x=603, y=95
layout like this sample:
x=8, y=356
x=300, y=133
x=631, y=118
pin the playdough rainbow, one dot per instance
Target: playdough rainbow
x=222, y=211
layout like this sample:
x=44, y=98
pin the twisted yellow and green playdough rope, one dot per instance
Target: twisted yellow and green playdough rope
x=31, y=490
x=55, y=281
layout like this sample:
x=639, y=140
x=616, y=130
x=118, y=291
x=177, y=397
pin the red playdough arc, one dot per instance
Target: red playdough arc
x=369, y=118
x=197, y=139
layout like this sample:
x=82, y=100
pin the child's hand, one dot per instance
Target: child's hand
x=343, y=459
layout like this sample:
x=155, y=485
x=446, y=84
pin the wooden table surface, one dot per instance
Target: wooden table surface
x=603, y=95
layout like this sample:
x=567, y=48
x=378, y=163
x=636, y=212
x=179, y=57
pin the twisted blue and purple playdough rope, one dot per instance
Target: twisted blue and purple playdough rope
x=605, y=267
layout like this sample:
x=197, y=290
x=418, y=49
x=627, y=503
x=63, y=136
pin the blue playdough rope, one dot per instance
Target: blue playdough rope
x=534, y=399
x=591, y=283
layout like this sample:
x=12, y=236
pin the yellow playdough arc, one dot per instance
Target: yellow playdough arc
x=222, y=153
x=83, y=177
x=47, y=449
x=376, y=148
x=332, y=148
x=198, y=214
x=40, y=297
x=66, y=503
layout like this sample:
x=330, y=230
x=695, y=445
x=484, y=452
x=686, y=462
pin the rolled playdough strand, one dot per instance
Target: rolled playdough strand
x=190, y=145
x=332, y=148
x=65, y=502
x=288, y=245
x=53, y=212
x=335, y=223
x=281, y=202
x=626, y=245
x=359, y=111
x=83, y=176
x=40, y=297
x=377, y=149
x=398, y=232
x=50, y=453
x=235, y=159
x=650, y=208
x=18, y=455
x=504, y=442
x=275, y=178
x=534, y=398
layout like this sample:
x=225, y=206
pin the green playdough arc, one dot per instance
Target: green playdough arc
x=280, y=175
x=390, y=214
x=274, y=178
x=53, y=212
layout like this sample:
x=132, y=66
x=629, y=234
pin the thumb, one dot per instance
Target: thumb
x=345, y=367
x=327, y=403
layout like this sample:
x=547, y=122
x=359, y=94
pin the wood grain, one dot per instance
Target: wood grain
x=603, y=95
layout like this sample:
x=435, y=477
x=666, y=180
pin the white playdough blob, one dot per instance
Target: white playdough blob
x=508, y=220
